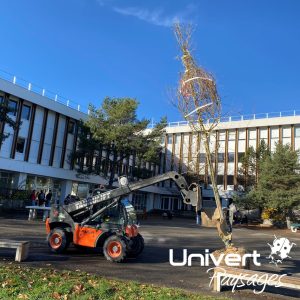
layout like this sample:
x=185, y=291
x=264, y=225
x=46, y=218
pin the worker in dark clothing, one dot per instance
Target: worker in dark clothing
x=48, y=198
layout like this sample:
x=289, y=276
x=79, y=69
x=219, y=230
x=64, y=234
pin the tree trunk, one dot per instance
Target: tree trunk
x=222, y=226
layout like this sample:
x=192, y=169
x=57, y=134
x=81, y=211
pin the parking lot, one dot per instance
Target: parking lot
x=153, y=266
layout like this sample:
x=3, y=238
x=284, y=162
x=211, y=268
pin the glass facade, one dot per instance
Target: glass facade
x=44, y=183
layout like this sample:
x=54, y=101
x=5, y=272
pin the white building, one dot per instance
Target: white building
x=183, y=150
x=37, y=155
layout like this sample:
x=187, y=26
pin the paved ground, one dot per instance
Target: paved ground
x=153, y=265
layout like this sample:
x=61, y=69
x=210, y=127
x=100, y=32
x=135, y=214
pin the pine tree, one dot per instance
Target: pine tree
x=115, y=128
x=278, y=186
x=251, y=165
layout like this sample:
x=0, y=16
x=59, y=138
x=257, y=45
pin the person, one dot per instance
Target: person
x=231, y=211
x=48, y=198
x=32, y=197
x=41, y=198
x=47, y=204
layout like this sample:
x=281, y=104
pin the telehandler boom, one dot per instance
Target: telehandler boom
x=108, y=220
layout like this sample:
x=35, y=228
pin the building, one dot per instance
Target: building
x=183, y=150
x=37, y=155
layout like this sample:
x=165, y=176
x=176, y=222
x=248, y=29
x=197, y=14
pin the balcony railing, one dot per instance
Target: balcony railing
x=42, y=91
x=67, y=102
x=281, y=114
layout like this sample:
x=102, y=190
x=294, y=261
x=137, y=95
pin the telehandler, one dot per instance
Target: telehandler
x=108, y=219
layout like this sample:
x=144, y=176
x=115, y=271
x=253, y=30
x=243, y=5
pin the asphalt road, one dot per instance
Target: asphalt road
x=153, y=266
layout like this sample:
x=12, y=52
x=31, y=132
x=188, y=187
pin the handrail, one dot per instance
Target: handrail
x=33, y=88
x=269, y=115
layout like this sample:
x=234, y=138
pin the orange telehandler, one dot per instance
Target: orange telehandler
x=108, y=220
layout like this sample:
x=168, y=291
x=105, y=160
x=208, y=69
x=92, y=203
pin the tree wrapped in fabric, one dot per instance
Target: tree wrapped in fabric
x=199, y=103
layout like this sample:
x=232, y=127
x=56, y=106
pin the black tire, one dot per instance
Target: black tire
x=136, y=246
x=58, y=240
x=115, y=248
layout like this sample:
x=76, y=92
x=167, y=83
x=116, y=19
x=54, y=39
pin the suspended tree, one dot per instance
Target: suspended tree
x=199, y=103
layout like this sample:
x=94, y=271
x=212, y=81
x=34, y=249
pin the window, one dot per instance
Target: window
x=221, y=157
x=241, y=156
x=20, y=145
x=71, y=127
x=12, y=106
x=230, y=157
x=175, y=137
x=165, y=203
x=286, y=132
x=25, y=112
x=139, y=201
x=1, y=99
x=230, y=179
x=220, y=179
x=170, y=138
x=176, y=203
x=252, y=134
x=6, y=179
x=297, y=131
x=242, y=134
x=231, y=135
x=222, y=136
x=202, y=158
x=274, y=133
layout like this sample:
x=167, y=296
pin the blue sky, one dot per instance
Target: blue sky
x=89, y=49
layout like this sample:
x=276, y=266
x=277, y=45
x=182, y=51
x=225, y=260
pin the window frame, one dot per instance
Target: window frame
x=71, y=123
x=18, y=141
x=28, y=114
x=14, y=111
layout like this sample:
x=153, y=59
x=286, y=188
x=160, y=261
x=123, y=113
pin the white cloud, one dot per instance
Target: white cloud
x=157, y=17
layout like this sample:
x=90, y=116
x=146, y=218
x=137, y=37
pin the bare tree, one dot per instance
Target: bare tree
x=199, y=103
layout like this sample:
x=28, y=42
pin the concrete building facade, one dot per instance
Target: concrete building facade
x=37, y=155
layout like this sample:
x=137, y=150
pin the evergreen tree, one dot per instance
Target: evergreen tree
x=251, y=165
x=115, y=128
x=278, y=186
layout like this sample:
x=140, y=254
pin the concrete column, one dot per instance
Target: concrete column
x=66, y=188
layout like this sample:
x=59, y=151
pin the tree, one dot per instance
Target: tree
x=199, y=103
x=115, y=129
x=251, y=165
x=278, y=185
x=5, y=119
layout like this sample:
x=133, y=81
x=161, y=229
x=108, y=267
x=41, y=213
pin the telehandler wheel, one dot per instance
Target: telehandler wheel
x=136, y=246
x=58, y=240
x=115, y=248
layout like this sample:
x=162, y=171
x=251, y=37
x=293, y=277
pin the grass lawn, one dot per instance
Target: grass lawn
x=21, y=282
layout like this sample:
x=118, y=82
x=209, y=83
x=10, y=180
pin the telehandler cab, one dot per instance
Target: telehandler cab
x=108, y=219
